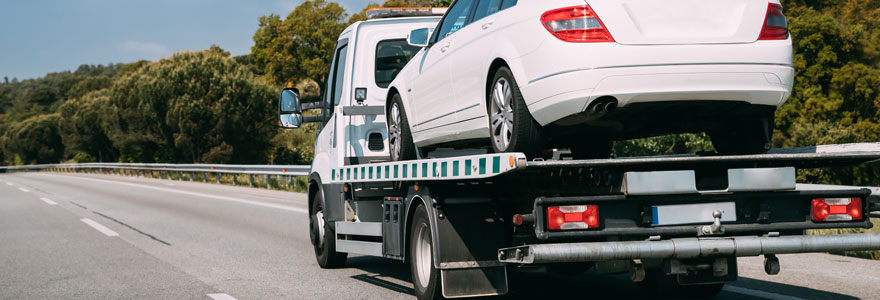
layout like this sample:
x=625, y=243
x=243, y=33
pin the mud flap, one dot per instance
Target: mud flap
x=470, y=233
x=474, y=282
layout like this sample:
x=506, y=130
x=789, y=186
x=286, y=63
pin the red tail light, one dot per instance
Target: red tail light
x=837, y=209
x=775, y=25
x=572, y=217
x=577, y=24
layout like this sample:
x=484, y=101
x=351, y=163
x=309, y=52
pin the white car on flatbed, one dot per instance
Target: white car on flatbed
x=527, y=75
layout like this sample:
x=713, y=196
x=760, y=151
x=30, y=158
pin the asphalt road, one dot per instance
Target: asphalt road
x=65, y=236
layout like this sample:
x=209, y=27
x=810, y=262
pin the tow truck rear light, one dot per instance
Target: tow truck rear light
x=837, y=209
x=572, y=217
x=775, y=25
x=577, y=24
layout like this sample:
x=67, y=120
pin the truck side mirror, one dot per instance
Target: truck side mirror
x=290, y=109
x=419, y=37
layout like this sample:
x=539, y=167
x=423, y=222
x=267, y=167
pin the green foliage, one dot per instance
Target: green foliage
x=81, y=127
x=301, y=46
x=667, y=144
x=198, y=107
x=34, y=140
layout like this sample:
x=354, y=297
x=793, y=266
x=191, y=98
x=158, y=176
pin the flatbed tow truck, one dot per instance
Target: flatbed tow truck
x=463, y=221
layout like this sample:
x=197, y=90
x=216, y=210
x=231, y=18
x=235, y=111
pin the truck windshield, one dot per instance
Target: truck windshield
x=391, y=56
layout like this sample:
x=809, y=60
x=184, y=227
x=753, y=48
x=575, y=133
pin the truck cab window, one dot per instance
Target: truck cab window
x=391, y=57
x=334, y=85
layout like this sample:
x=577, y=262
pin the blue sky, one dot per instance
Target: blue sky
x=42, y=36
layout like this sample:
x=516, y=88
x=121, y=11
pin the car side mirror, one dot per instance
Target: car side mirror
x=419, y=37
x=290, y=109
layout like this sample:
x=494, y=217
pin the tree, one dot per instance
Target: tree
x=34, y=140
x=81, y=127
x=301, y=46
x=198, y=107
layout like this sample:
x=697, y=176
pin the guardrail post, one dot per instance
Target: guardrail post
x=234, y=179
x=251, y=180
x=290, y=182
x=219, y=175
x=204, y=177
x=180, y=175
x=268, y=181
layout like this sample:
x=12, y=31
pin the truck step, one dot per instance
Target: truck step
x=359, y=247
x=359, y=228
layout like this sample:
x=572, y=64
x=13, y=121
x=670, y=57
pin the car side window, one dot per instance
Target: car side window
x=455, y=19
x=508, y=4
x=486, y=8
x=391, y=57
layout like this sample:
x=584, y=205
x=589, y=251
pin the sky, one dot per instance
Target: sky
x=43, y=36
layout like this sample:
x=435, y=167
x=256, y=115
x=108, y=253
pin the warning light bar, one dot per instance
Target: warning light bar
x=399, y=12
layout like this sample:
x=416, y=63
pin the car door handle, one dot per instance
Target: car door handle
x=444, y=48
x=488, y=24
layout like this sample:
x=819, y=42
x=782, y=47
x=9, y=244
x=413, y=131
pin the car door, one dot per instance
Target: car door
x=432, y=97
x=469, y=57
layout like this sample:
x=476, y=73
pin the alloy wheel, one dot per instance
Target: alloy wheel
x=501, y=114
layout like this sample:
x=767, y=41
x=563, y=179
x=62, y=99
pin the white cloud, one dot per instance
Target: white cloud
x=144, y=48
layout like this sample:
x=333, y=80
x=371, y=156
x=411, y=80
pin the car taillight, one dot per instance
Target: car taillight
x=775, y=25
x=837, y=209
x=572, y=217
x=577, y=24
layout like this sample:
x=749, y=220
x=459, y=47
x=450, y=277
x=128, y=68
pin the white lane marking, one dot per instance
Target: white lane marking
x=221, y=296
x=224, y=198
x=757, y=293
x=9, y=183
x=48, y=201
x=99, y=227
x=170, y=184
x=24, y=190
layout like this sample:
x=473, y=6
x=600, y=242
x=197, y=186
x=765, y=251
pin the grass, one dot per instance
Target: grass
x=873, y=254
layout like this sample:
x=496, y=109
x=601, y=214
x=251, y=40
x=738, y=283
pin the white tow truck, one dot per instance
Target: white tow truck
x=464, y=220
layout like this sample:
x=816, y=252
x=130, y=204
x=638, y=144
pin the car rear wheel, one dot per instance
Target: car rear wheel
x=400, y=143
x=748, y=137
x=511, y=126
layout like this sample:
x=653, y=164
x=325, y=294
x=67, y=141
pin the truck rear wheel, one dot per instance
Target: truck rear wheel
x=322, y=236
x=511, y=126
x=426, y=278
x=400, y=142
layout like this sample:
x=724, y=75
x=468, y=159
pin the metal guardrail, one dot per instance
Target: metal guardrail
x=166, y=170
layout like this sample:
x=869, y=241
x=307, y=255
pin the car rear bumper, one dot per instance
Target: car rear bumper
x=558, y=95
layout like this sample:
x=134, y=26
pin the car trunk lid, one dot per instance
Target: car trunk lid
x=670, y=22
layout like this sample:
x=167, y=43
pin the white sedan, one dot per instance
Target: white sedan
x=523, y=76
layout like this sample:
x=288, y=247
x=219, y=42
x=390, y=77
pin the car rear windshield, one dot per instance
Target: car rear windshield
x=391, y=56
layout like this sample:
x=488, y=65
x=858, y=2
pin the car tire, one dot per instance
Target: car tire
x=750, y=137
x=592, y=149
x=425, y=277
x=511, y=126
x=400, y=142
x=322, y=236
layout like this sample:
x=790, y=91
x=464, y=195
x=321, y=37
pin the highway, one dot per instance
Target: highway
x=77, y=236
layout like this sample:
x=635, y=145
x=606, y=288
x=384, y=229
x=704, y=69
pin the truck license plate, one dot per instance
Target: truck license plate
x=692, y=213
